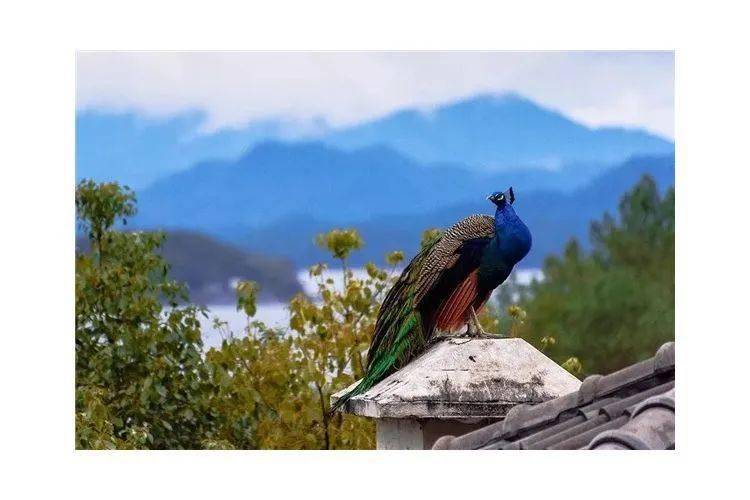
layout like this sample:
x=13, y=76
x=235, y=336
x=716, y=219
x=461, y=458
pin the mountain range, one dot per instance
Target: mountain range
x=276, y=180
x=552, y=216
x=261, y=190
x=483, y=133
x=137, y=150
x=278, y=197
x=498, y=132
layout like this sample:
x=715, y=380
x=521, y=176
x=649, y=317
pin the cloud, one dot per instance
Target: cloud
x=343, y=88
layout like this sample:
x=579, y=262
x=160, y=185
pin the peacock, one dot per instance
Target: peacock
x=443, y=288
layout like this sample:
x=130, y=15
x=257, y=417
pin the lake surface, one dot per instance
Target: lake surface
x=276, y=314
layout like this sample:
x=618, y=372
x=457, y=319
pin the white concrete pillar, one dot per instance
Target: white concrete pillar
x=456, y=386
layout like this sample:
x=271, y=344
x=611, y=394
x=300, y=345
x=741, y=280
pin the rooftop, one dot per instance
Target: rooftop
x=630, y=409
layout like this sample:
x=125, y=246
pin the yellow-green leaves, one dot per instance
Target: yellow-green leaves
x=98, y=206
x=395, y=258
x=274, y=387
x=247, y=292
x=547, y=341
x=143, y=380
x=518, y=317
x=340, y=242
x=573, y=365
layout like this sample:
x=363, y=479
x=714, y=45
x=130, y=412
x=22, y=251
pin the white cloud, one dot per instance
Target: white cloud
x=233, y=88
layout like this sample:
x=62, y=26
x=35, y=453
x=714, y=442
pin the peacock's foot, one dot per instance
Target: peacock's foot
x=475, y=331
x=485, y=335
x=474, y=328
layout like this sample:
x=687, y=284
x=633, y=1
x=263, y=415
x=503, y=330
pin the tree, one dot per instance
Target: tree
x=143, y=379
x=613, y=305
x=139, y=371
x=288, y=377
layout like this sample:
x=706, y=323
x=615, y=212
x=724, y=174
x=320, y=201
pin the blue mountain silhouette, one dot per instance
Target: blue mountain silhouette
x=275, y=198
x=553, y=217
x=484, y=133
x=498, y=132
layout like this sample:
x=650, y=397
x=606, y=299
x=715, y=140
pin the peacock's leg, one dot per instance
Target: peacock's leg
x=474, y=327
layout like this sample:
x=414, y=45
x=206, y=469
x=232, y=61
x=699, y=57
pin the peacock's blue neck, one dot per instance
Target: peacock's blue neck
x=511, y=243
x=512, y=237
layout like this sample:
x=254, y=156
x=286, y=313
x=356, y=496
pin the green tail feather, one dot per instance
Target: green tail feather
x=385, y=362
x=359, y=389
x=399, y=334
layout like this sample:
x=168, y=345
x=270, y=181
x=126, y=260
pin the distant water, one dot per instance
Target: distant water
x=276, y=314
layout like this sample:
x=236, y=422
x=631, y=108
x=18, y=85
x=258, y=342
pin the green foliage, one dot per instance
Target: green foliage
x=258, y=395
x=247, y=294
x=144, y=381
x=139, y=371
x=394, y=258
x=573, y=365
x=340, y=242
x=275, y=386
x=614, y=305
x=98, y=206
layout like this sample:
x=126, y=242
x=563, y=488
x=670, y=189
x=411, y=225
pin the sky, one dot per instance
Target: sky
x=307, y=89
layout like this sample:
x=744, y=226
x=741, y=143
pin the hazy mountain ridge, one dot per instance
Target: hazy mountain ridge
x=486, y=132
x=275, y=180
x=137, y=150
x=499, y=132
x=553, y=218
x=391, y=178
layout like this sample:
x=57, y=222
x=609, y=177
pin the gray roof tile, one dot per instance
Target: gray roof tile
x=632, y=408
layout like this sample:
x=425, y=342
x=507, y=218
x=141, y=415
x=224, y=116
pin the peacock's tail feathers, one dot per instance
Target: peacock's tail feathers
x=399, y=332
x=408, y=341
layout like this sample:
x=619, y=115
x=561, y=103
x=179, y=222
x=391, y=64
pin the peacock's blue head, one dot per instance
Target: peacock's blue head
x=501, y=200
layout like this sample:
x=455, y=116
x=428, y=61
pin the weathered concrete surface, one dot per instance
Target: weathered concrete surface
x=399, y=434
x=414, y=434
x=459, y=378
